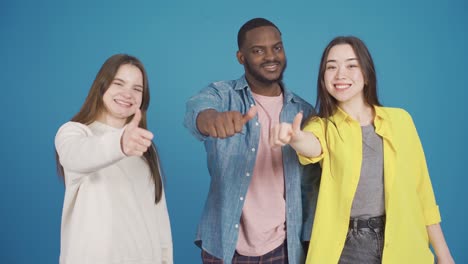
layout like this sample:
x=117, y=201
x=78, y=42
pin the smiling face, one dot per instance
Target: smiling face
x=123, y=96
x=343, y=76
x=263, y=56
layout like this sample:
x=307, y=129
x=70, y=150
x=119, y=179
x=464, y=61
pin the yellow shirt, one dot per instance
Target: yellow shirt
x=409, y=199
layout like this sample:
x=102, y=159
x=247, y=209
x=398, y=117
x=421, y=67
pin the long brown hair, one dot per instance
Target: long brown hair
x=326, y=105
x=94, y=105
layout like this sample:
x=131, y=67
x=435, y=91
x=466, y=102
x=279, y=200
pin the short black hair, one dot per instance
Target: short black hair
x=251, y=24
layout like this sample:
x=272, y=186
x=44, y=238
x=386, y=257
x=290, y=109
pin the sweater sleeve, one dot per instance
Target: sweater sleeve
x=82, y=152
x=165, y=234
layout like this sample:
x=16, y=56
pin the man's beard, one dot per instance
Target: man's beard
x=260, y=78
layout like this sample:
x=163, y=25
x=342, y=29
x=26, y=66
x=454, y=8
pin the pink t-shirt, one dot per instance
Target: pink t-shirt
x=262, y=225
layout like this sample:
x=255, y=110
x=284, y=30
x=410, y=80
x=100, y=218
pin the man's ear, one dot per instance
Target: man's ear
x=240, y=57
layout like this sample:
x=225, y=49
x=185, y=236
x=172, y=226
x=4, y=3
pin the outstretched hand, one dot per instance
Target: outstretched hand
x=223, y=124
x=285, y=133
x=135, y=140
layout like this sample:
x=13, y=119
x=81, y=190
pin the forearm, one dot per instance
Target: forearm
x=307, y=145
x=84, y=153
x=437, y=240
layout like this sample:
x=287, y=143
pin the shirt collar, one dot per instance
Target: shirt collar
x=380, y=120
x=381, y=123
x=242, y=83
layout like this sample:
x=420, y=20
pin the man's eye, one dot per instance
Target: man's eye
x=258, y=51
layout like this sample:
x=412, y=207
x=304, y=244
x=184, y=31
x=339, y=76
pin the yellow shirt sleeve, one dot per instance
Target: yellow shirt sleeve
x=316, y=127
x=424, y=186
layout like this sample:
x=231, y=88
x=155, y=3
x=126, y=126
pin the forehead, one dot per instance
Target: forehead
x=129, y=72
x=341, y=52
x=262, y=36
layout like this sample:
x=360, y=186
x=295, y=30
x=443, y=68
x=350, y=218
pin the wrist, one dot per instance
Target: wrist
x=203, y=120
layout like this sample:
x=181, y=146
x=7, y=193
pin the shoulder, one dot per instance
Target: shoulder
x=219, y=89
x=399, y=119
x=74, y=128
x=299, y=100
x=227, y=85
x=394, y=113
x=315, y=122
x=222, y=84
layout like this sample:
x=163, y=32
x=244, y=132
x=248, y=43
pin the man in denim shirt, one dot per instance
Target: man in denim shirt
x=261, y=201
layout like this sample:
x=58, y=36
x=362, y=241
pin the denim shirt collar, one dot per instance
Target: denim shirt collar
x=242, y=83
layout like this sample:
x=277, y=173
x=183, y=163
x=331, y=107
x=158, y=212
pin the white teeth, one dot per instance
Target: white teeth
x=120, y=102
x=342, y=86
x=271, y=68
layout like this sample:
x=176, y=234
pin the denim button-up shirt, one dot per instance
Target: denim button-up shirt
x=231, y=163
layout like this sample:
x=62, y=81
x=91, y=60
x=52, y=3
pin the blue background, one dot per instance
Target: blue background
x=52, y=50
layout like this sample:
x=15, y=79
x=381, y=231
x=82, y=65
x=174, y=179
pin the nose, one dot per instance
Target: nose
x=126, y=93
x=340, y=73
x=270, y=54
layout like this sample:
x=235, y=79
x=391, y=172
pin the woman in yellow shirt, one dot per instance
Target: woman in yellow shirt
x=376, y=203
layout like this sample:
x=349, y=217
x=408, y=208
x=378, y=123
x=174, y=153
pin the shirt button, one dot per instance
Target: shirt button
x=242, y=198
x=237, y=226
x=253, y=149
x=251, y=105
x=256, y=123
x=247, y=174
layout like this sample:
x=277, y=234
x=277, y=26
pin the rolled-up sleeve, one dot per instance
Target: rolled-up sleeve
x=316, y=127
x=425, y=190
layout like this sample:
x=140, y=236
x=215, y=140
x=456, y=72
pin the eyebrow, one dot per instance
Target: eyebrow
x=350, y=59
x=118, y=79
x=262, y=46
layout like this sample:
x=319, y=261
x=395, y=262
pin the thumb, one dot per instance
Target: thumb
x=296, y=125
x=250, y=114
x=136, y=119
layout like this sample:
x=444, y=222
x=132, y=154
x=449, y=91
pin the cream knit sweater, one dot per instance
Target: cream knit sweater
x=109, y=215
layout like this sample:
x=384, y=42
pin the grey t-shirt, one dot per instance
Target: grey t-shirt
x=369, y=198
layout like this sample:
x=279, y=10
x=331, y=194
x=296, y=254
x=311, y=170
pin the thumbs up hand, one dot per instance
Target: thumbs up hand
x=285, y=133
x=135, y=140
x=223, y=124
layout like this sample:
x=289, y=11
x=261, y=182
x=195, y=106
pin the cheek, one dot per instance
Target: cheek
x=327, y=79
x=328, y=76
x=358, y=77
x=138, y=99
x=328, y=86
x=106, y=100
